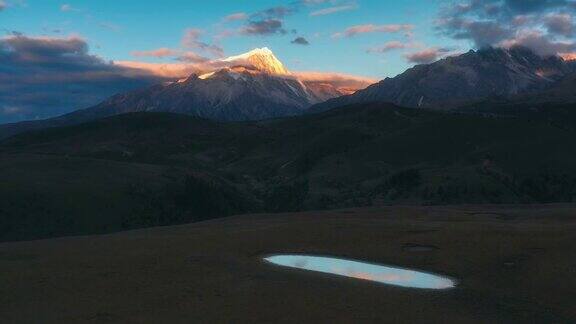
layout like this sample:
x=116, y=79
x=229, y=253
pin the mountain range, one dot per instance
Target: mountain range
x=257, y=86
x=252, y=86
x=515, y=74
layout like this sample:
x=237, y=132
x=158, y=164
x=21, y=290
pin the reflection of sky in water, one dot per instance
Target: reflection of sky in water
x=366, y=271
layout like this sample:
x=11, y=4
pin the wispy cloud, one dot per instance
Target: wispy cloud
x=427, y=55
x=344, y=82
x=391, y=46
x=109, y=26
x=371, y=28
x=158, y=53
x=267, y=22
x=191, y=40
x=333, y=10
x=264, y=27
x=68, y=8
x=236, y=17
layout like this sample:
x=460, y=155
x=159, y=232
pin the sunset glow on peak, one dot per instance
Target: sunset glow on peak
x=260, y=58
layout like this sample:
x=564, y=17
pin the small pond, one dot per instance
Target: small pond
x=389, y=275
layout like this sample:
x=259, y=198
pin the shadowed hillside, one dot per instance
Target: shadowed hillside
x=146, y=169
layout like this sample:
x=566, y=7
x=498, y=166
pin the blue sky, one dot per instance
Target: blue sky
x=114, y=29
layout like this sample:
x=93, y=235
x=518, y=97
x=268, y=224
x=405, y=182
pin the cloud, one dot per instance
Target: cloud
x=264, y=27
x=9, y=110
x=236, y=16
x=300, y=41
x=191, y=57
x=482, y=33
x=269, y=21
x=568, y=56
x=505, y=22
x=529, y=6
x=370, y=28
x=110, y=26
x=42, y=77
x=390, y=46
x=158, y=53
x=67, y=8
x=191, y=40
x=315, y=2
x=332, y=10
x=540, y=43
x=178, y=55
x=275, y=12
x=560, y=24
x=427, y=55
x=161, y=70
x=343, y=82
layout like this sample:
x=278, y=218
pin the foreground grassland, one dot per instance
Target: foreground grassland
x=515, y=265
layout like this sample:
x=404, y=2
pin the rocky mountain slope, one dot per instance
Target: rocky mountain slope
x=251, y=86
x=458, y=80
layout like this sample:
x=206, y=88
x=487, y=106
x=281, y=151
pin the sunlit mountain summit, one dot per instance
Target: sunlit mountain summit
x=252, y=86
x=261, y=59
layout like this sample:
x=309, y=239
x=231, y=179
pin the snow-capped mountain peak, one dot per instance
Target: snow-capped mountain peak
x=262, y=59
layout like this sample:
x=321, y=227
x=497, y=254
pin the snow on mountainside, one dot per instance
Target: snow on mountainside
x=262, y=59
x=251, y=86
x=448, y=83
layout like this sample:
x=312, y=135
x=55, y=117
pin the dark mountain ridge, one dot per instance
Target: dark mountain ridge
x=458, y=80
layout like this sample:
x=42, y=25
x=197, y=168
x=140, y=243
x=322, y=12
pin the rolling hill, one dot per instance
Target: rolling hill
x=146, y=169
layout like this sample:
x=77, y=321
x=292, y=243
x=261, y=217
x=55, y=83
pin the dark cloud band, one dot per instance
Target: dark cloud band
x=545, y=26
x=42, y=77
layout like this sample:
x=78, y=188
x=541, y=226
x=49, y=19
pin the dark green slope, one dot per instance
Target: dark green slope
x=152, y=169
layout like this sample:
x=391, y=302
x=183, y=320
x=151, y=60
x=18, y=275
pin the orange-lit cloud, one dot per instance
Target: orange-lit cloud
x=427, y=55
x=236, y=16
x=370, y=28
x=158, y=53
x=164, y=70
x=332, y=10
x=568, y=56
x=345, y=82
